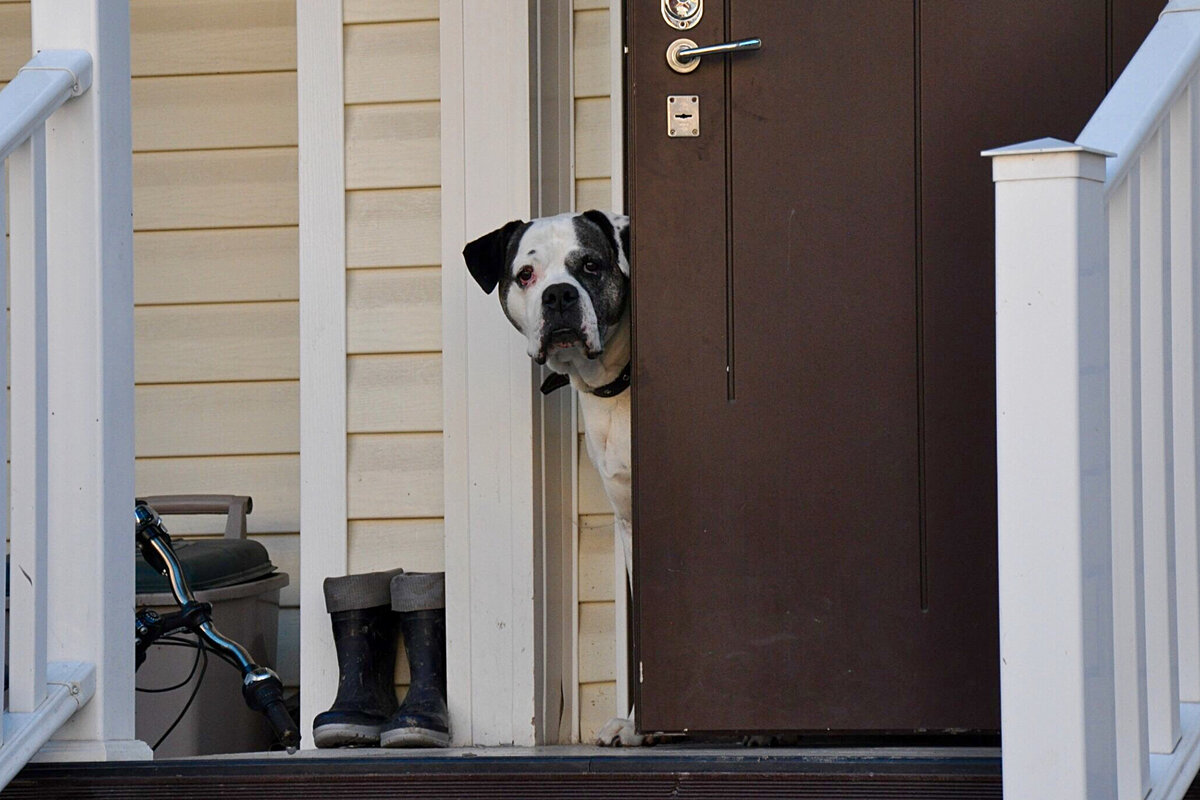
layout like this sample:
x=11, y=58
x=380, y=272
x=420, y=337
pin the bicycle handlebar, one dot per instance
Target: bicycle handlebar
x=261, y=688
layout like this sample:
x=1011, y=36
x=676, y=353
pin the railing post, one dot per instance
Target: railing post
x=1055, y=556
x=90, y=376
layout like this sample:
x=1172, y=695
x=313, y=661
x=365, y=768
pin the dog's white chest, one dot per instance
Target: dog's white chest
x=606, y=431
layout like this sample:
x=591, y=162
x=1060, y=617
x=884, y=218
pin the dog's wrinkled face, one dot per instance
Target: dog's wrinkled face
x=564, y=281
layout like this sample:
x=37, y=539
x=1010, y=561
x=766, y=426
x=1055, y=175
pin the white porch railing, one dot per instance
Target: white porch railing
x=1098, y=398
x=68, y=425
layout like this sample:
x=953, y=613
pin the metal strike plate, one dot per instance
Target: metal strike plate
x=683, y=115
x=682, y=14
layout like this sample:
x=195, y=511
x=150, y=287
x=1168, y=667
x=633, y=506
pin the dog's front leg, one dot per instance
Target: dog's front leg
x=625, y=535
x=622, y=731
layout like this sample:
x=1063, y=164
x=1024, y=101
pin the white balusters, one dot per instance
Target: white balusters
x=1129, y=607
x=1158, y=478
x=27, y=371
x=1185, y=328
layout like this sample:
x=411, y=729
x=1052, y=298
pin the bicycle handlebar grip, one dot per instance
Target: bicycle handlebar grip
x=285, y=727
x=263, y=692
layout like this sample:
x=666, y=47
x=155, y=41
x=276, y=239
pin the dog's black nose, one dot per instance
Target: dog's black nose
x=560, y=297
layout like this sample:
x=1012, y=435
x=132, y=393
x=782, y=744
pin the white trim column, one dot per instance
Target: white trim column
x=616, y=52
x=323, y=526
x=556, y=439
x=89, y=191
x=493, y=648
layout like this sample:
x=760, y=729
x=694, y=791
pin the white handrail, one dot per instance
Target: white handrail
x=1098, y=435
x=49, y=79
x=1142, y=95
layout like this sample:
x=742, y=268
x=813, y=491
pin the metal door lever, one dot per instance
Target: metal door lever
x=683, y=55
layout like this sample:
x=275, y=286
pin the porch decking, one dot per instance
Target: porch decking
x=675, y=771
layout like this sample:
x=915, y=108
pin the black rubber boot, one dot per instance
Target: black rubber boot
x=364, y=633
x=422, y=719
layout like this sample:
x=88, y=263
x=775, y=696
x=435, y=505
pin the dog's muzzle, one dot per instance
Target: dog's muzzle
x=562, y=320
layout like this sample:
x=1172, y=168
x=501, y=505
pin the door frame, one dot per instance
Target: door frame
x=509, y=465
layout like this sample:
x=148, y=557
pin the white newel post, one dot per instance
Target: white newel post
x=1052, y=403
x=90, y=342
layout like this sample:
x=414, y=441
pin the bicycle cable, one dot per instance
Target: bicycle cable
x=202, y=656
x=174, y=641
x=185, y=681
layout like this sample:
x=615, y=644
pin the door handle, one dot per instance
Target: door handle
x=683, y=55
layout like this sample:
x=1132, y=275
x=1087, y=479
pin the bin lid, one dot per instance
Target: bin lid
x=209, y=563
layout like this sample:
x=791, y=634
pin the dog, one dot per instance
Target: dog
x=564, y=285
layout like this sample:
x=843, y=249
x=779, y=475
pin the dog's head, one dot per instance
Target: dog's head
x=564, y=281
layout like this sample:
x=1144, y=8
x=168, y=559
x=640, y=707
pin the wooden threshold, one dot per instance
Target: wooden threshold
x=671, y=771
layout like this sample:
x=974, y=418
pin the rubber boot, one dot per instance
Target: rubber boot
x=364, y=633
x=422, y=719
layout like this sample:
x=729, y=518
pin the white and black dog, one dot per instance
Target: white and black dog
x=564, y=284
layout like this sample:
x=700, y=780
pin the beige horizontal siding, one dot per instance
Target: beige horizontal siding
x=593, y=193
x=212, y=36
x=203, y=419
x=392, y=62
x=592, y=499
x=214, y=266
x=394, y=311
x=414, y=545
x=204, y=112
x=593, y=128
x=215, y=189
x=393, y=228
x=596, y=704
x=15, y=39
x=217, y=342
x=592, y=60
x=596, y=543
x=373, y=161
x=394, y=475
x=272, y=480
x=394, y=392
x=597, y=629
x=388, y=10
x=393, y=303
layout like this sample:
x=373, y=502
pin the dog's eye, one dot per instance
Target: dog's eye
x=525, y=276
x=591, y=267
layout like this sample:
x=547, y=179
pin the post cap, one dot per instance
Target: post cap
x=1046, y=145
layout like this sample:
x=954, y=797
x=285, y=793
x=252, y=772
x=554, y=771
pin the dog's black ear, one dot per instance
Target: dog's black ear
x=616, y=228
x=485, y=256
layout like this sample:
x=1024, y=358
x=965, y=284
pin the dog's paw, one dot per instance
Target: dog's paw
x=771, y=740
x=758, y=741
x=619, y=732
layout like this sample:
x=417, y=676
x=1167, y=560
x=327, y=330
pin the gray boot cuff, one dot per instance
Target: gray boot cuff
x=419, y=591
x=354, y=592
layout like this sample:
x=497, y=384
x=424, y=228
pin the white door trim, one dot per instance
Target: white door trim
x=509, y=454
x=488, y=382
x=616, y=51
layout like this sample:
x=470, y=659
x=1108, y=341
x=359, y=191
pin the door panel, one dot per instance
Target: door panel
x=814, y=469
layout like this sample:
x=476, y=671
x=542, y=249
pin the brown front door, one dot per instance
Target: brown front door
x=814, y=469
